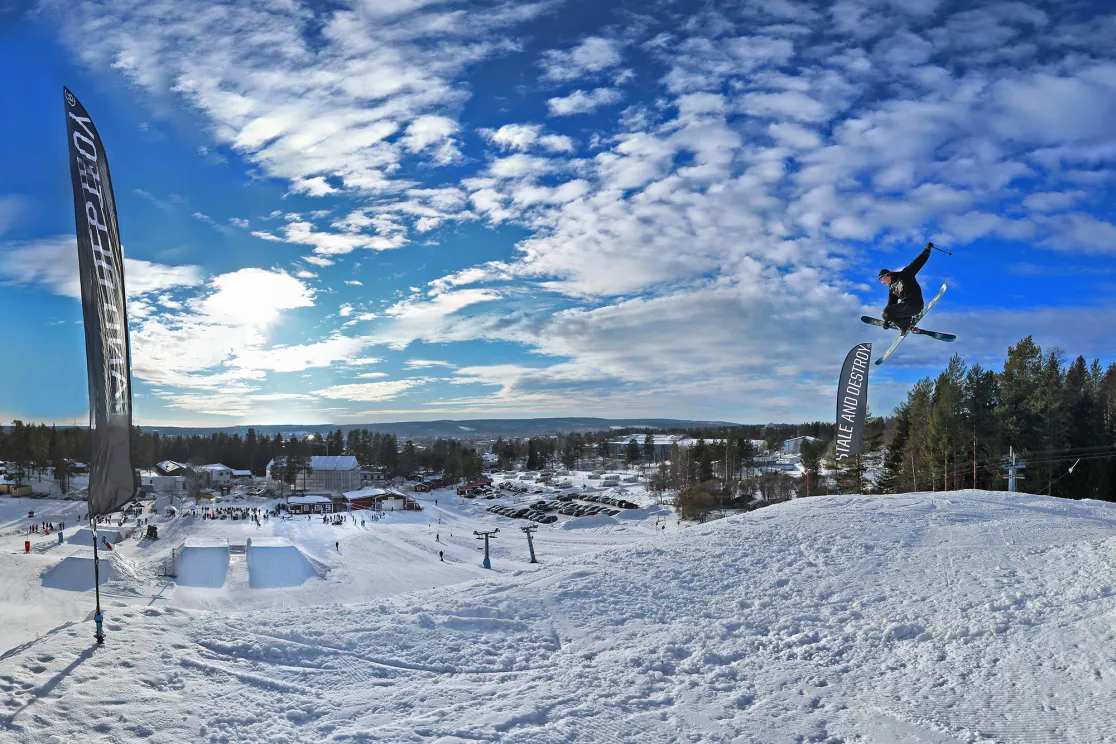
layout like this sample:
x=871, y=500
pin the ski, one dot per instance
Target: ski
x=891, y=350
x=947, y=337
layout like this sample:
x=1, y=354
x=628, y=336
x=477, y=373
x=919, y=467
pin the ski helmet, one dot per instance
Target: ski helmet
x=883, y=273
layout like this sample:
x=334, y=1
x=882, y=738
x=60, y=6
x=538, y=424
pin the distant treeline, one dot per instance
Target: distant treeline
x=30, y=449
x=955, y=431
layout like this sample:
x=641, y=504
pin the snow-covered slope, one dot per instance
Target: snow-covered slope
x=967, y=616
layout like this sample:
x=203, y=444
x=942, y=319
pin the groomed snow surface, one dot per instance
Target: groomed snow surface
x=962, y=617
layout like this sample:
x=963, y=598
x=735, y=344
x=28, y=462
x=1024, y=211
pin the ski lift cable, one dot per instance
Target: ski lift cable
x=1050, y=461
x=984, y=468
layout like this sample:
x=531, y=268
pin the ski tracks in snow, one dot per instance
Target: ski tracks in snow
x=916, y=618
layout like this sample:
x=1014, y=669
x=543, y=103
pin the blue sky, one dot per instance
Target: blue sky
x=410, y=209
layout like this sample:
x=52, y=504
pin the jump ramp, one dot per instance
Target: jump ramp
x=75, y=574
x=279, y=566
x=202, y=565
x=84, y=536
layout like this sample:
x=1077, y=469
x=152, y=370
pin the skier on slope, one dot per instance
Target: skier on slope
x=904, y=297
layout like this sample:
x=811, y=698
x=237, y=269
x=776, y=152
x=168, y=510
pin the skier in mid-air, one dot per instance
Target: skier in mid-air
x=904, y=297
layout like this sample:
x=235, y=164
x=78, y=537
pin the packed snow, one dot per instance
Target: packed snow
x=935, y=617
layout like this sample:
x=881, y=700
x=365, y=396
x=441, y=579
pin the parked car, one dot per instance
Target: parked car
x=548, y=519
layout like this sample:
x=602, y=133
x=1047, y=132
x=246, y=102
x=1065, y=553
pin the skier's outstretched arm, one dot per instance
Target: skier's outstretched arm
x=918, y=263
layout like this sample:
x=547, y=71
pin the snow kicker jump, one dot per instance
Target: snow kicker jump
x=75, y=574
x=278, y=566
x=204, y=566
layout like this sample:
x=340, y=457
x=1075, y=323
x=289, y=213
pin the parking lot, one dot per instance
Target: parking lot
x=552, y=506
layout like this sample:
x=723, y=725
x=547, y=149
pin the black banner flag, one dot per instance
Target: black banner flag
x=112, y=482
x=852, y=401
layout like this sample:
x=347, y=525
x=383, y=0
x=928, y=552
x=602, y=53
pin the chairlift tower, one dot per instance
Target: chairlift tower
x=486, y=563
x=530, y=530
x=1012, y=465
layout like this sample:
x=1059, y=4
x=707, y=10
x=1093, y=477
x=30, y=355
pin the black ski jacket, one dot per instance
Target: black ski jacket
x=904, y=287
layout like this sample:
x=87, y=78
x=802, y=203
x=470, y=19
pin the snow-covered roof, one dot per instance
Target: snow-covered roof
x=170, y=465
x=334, y=462
x=364, y=493
x=310, y=500
x=658, y=439
x=242, y=473
x=214, y=468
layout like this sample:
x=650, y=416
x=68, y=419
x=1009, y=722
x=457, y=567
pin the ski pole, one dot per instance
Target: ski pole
x=943, y=250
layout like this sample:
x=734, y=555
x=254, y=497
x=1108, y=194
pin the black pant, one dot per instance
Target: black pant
x=902, y=314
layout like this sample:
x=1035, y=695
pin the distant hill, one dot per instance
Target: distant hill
x=464, y=429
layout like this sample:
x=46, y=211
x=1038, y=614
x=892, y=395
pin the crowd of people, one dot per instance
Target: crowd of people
x=252, y=514
x=45, y=528
x=339, y=519
x=261, y=515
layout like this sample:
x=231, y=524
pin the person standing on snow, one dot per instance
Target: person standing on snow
x=904, y=296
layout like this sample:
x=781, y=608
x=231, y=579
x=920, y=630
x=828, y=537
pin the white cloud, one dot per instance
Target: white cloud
x=238, y=222
x=369, y=392
x=557, y=143
x=345, y=310
x=580, y=102
x=254, y=297
x=341, y=112
x=316, y=186
x=330, y=244
x=426, y=363
x=426, y=318
x=522, y=137
x=220, y=337
x=1052, y=201
x=514, y=136
x=433, y=134
x=300, y=357
x=53, y=263
x=1080, y=231
x=353, y=283
x=593, y=55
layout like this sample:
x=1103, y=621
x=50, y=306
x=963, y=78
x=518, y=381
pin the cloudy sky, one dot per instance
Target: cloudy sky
x=362, y=211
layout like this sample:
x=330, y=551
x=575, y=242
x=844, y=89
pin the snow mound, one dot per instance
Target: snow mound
x=949, y=617
x=83, y=536
x=278, y=566
x=202, y=566
x=75, y=574
x=586, y=523
x=123, y=566
x=644, y=513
